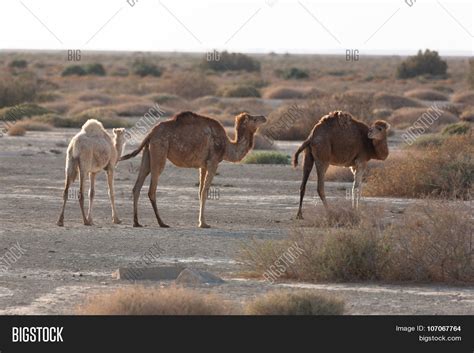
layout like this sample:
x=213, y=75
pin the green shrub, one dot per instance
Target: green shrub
x=292, y=74
x=79, y=120
x=266, y=158
x=239, y=91
x=18, y=63
x=95, y=69
x=457, y=129
x=142, y=68
x=74, y=70
x=231, y=62
x=295, y=303
x=428, y=62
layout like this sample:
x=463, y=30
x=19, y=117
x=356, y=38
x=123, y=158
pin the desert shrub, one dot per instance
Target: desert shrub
x=466, y=97
x=231, y=62
x=78, y=120
x=429, y=243
x=74, y=70
x=142, y=68
x=427, y=141
x=285, y=93
x=382, y=113
x=405, y=117
x=446, y=170
x=295, y=303
x=239, y=91
x=428, y=62
x=43, y=97
x=16, y=130
x=457, y=129
x=293, y=73
x=18, y=64
x=120, y=72
x=150, y=301
x=132, y=108
x=95, y=96
x=15, y=90
x=95, y=69
x=426, y=94
x=433, y=244
x=21, y=111
x=468, y=115
x=266, y=158
x=192, y=85
x=32, y=125
x=392, y=101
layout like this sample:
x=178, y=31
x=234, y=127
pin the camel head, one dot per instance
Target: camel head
x=244, y=122
x=119, y=140
x=378, y=130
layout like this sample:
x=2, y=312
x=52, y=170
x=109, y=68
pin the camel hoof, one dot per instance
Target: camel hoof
x=60, y=223
x=162, y=225
x=87, y=224
x=137, y=225
x=117, y=221
x=204, y=225
x=299, y=216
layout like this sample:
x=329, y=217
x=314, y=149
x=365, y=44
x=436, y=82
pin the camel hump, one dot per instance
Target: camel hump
x=93, y=127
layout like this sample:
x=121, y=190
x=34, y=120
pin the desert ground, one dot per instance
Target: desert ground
x=62, y=266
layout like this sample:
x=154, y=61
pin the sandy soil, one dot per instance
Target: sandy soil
x=63, y=265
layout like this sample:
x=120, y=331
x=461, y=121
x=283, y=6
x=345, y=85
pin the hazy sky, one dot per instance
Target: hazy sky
x=389, y=26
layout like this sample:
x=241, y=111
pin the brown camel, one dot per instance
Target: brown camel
x=339, y=139
x=190, y=140
x=89, y=152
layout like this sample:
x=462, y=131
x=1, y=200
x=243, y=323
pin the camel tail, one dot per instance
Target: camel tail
x=72, y=166
x=301, y=149
x=145, y=142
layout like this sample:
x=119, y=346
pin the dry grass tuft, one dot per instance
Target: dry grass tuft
x=150, y=301
x=285, y=93
x=33, y=125
x=405, y=117
x=430, y=243
x=426, y=94
x=444, y=170
x=392, y=101
x=468, y=115
x=16, y=130
x=466, y=97
x=295, y=303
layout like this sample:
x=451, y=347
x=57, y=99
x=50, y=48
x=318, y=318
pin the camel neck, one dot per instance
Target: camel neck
x=118, y=144
x=380, y=149
x=237, y=149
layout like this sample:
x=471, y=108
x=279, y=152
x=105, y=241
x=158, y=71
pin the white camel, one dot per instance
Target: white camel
x=89, y=152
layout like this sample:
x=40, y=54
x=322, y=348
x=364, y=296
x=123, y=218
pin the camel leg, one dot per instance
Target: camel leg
x=157, y=164
x=357, y=186
x=67, y=184
x=321, y=168
x=142, y=174
x=91, y=196
x=307, y=167
x=211, y=171
x=110, y=182
x=82, y=182
x=202, y=178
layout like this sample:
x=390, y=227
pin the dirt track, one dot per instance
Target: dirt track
x=62, y=265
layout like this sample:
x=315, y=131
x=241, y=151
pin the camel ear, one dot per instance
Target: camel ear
x=387, y=125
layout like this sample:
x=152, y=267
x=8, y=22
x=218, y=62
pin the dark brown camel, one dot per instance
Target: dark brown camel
x=339, y=139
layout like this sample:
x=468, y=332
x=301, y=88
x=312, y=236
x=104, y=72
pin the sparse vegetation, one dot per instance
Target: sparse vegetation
x=446, y=170
x=18, y=64
x=239, y=91
x=457, y=129
x=295, y=303
x=151, y=301
x=16, y=90
x=231, y=62
x=21, y=111
x=426, y=94
x=429, y=244
x=266, y=158
x=76, y=70
x=142, y=68
x=427, y=63
x=95, y=69
x=293, y=73
x=191, y=85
